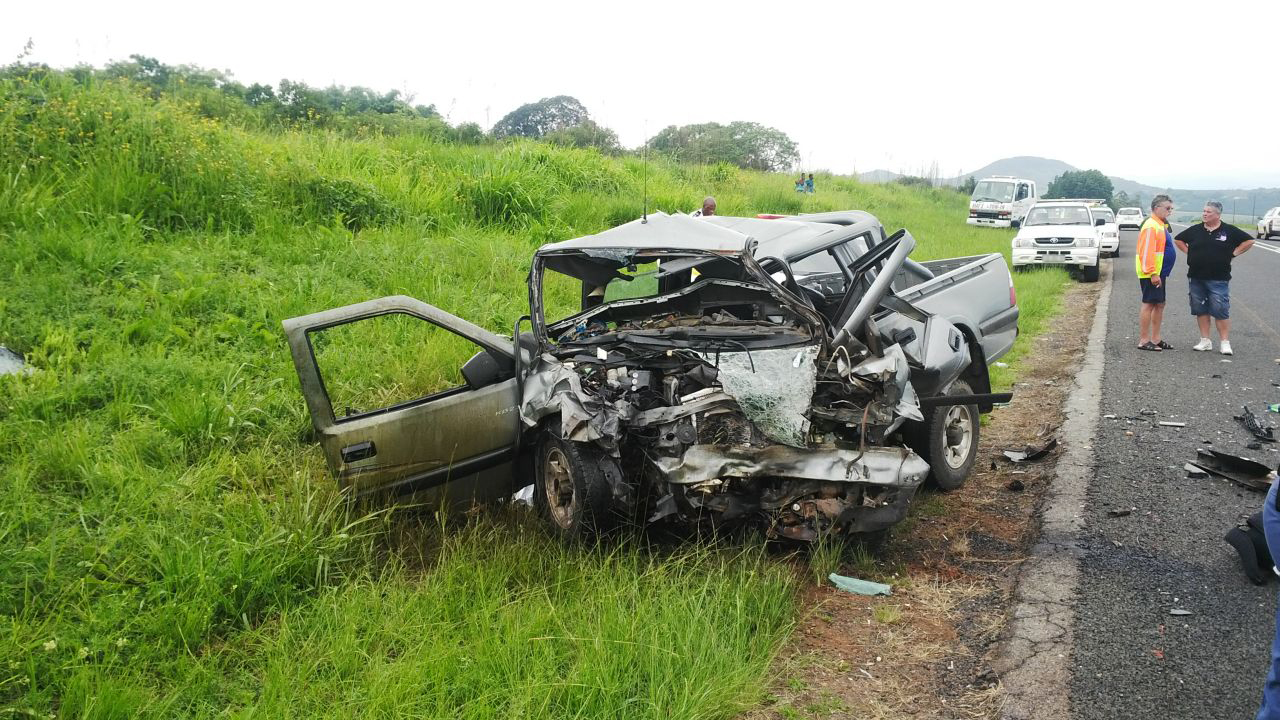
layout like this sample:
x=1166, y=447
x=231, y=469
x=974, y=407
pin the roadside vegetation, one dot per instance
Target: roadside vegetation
x=171, y=544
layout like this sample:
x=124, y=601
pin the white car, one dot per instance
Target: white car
x=1269, y=224
x=1060, y=232
x=1130, y=218
x=1108, y=231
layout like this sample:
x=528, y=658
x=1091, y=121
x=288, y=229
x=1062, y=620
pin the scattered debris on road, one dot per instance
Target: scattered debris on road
x=1015, y=485
x=1164, y=423
x=1242, y=471
x=1250, y=422
x=859, y=587
x=1195, y=471
x=1120, y=513
x=1179, y=611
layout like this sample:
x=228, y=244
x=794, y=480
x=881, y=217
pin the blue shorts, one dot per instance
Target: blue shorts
x=1209, y=297
x=1152, y=295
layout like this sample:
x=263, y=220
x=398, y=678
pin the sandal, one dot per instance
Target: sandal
x=1150, y=346
x=1164, y=345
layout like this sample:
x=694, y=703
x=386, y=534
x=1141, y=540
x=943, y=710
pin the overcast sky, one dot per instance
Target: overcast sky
x=1166, y=93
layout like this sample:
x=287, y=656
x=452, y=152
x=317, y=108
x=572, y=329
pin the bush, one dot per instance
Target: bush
x=354, y=205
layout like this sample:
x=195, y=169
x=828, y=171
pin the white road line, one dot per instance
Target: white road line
x=1258, y=245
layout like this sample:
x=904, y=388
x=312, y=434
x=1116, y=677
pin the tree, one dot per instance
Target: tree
x=1080, y=184
x=538, y=119
x=588, y=134
x=967, y=187
x=745, y=144
x=1122, y=199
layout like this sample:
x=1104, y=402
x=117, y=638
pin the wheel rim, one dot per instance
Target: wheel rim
x=958, y=436
x=558, y=485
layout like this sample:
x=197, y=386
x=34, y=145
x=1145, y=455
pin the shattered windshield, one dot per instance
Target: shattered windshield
x=690, y=298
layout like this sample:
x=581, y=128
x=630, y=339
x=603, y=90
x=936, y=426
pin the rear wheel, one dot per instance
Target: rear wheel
x=1089, y=274
x=948, y=440
x=572, y=487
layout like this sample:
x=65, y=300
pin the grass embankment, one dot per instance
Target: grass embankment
x=171, y=544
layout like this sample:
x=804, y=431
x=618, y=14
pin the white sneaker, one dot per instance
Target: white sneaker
x=1225, y=348
x=1203, y=345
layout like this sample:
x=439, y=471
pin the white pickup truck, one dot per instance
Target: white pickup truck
x=1061, y=232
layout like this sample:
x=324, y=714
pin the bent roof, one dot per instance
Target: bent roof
x=720, y=234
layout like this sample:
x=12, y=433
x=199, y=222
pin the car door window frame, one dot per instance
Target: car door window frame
x=421, y=400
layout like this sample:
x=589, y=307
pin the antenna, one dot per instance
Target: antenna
x=645, y=217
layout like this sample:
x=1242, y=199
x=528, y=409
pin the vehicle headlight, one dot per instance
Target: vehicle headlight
x=1022, y=242
x=1086, y=242
x=1109, y=234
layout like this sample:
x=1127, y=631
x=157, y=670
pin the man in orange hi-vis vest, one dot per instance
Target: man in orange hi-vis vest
x=1154, y=261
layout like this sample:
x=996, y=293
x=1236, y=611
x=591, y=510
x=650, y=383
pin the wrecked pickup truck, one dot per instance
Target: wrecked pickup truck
x=797, y=373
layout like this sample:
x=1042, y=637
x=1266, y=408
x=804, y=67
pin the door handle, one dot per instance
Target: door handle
x=359, y=451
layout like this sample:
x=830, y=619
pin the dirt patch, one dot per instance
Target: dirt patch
x=926, y=651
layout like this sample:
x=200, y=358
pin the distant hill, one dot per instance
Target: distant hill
x=1044, y=170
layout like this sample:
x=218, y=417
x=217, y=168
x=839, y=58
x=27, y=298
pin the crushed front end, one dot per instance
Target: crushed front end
x=701, y=390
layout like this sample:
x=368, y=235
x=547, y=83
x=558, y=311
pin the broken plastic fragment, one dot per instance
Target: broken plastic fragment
x=1031, y=452
x=1194, y=471
x=859, y=587
x=1250, y=422
x=11, y=363
x=523, y=496
x=1119, y=513
x=1177, y=611
x=1242, y=471
x=1172, y=424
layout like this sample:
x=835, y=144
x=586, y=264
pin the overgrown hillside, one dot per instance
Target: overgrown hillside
x=171, y=544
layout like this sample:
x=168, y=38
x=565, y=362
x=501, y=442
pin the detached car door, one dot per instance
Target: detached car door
x=407, y=399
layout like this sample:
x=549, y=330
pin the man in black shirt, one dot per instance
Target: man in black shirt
x=1210, y=247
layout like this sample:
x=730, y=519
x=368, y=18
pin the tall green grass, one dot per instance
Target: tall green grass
x=171, y=544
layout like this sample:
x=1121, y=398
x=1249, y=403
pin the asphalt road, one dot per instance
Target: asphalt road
x=1132, y=659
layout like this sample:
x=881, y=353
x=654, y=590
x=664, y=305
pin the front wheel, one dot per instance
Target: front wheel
x=572, y=487
x=948, y=440
x=1089, y=274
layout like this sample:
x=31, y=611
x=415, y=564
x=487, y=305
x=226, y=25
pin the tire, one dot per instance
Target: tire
x=572, y=488
x=1115, y=253
x=1089, y=274
x=947, y=439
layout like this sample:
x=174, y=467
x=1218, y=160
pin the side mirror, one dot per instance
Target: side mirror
x=1099, y=221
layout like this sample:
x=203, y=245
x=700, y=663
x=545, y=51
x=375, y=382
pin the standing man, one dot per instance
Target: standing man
x=1210, y=247
x=808, y=184
x=1154, y=261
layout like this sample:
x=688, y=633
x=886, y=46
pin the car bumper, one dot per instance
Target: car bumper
x=989, y=222
x=1129, y=227
x=1084, y=257
x=1110, y=245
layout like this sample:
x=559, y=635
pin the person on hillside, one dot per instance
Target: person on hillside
x=808, y=184
x=708, y=208
x=800, y=183
x=1154, y=261
x=1210, y=246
